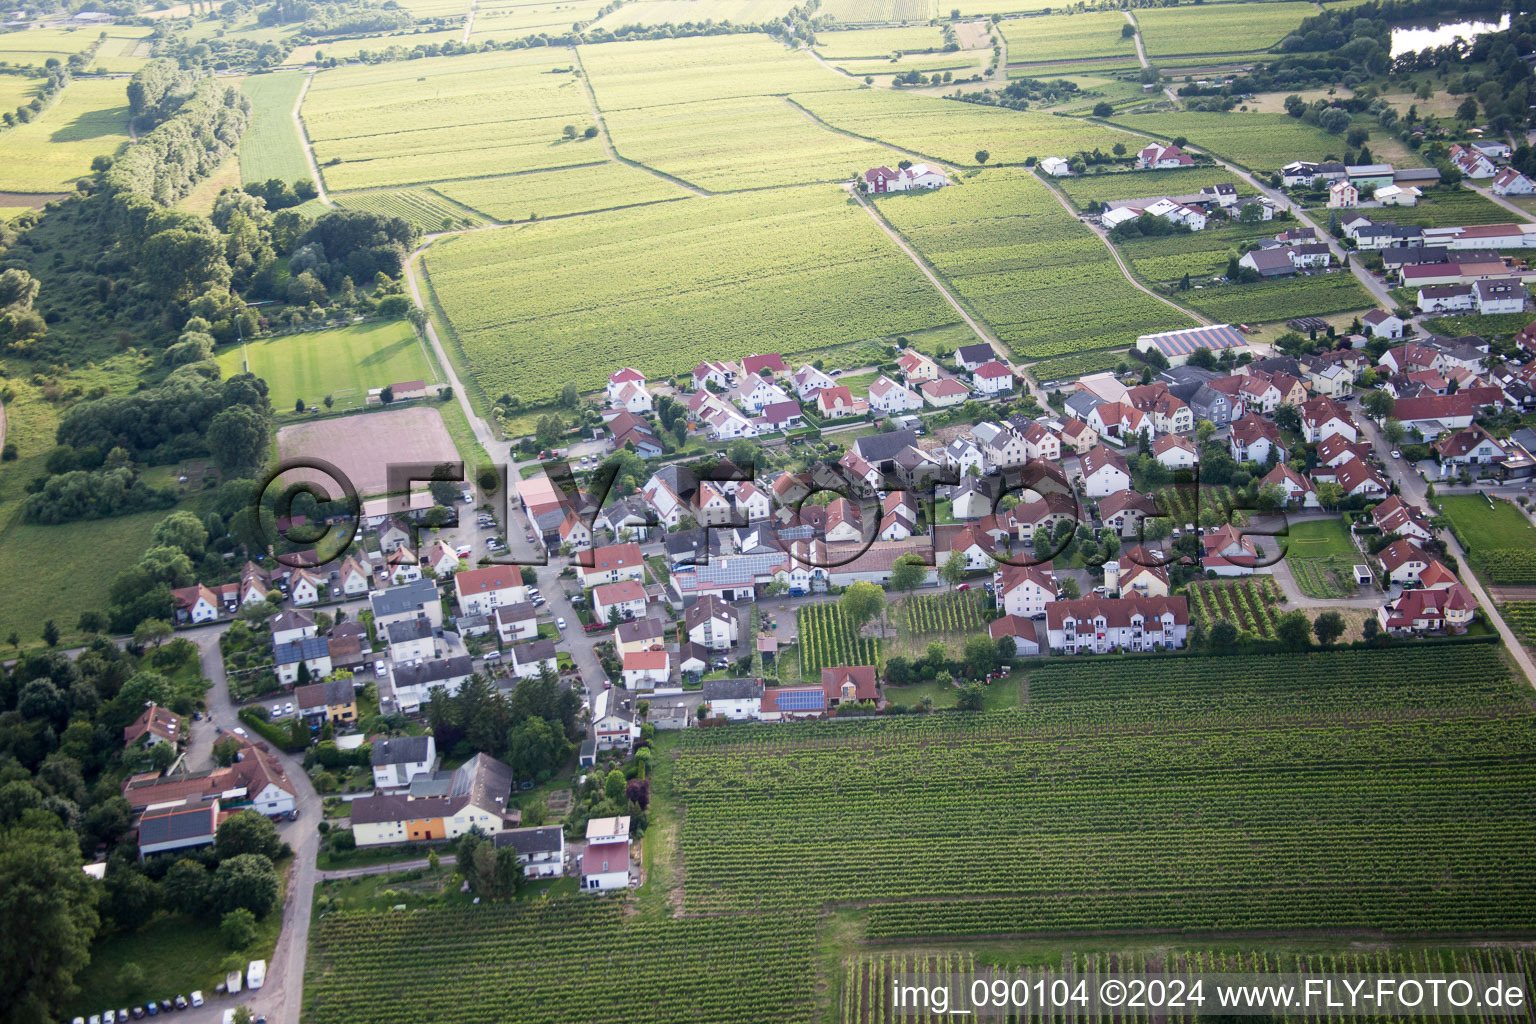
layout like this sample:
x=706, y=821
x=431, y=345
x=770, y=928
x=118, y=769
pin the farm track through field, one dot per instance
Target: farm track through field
x=309, y=152
x=469, y=23
x=602, y=133
x=1114, y=252
x=818, y=122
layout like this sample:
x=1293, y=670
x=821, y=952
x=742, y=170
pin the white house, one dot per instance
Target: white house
x=1403, y=561
x=626, y=599
x=1175, y=451
x=605, y=866
x=1342, y=196
x=613, y=726
x=711, y=623
x=1381, y=324
x=1024, y=590
x=737, y=699
x=1056, y=167
x=399, y=759
x=1104, y=472
x=1500, y=295
x=993, y=378
x=890, y=397
x=1510, y=182
x=944, y=393
x=1159, y=157
x=540, y=850
x=1100, y=624
x=482, y=591
x=646, y=670
x=517, y=622
x=531, y=659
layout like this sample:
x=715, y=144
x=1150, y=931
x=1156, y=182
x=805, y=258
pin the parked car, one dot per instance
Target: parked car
x=463, y=550
x=197, y=997
x=560, y=624
x=277, y=709
x=380, y=671
x=1396, y=454
x=152, y=1008
x=182, y=1003
x=288, y=708
x=109, y=1017
x=964, y=586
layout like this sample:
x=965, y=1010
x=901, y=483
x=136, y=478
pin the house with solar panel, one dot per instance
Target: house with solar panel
x=792, y=703
x=177, y=826
x=1178, y=346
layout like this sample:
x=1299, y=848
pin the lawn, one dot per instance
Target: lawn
x=89, y=119
x=1500, y=540
x=796, y=265
x=412, y=122
x=1088, y=188
x=1067, y=37
x=520, y=197
x=178, y=955
x=954, y=132
x=1218, y=28
x=1321, y=556
x=1002, y=693
x=1043, y=282
x=343, y=362
x=271, y=147
x=17, y=89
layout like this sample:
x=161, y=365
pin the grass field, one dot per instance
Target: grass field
x=656, y=73
x=178, y=954
x=1218, y=28
x=271, y=147
x=17, y=89
x=960, y=63
x=447, y=117
x=345, y=49
x=1263, y=142
x=344, y=362
x=749, y=142
x=1067, y=37
x=33, y=47
x=954, y=132
x=506, y=21
x=518, y=197
x=1449, y=207
x=796, y=265
x=1044, y=282
x=89, y=119
x=1320, y=556
x=1500, y=540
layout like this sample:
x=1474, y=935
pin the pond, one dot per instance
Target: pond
x=1416, y=37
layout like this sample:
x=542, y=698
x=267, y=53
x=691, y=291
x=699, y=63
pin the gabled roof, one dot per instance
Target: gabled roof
x=400, y=750
x=1117, y=611
x=1097, y=457
x=1399, y=553
x=622, y=592
x=862, y=678
x=733, y=689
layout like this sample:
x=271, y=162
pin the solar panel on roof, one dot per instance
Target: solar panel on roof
x=802, y=700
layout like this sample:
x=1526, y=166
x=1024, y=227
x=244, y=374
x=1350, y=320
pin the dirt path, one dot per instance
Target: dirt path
x=469, y=22
x=309, y=152
x=1103, y=236
x=602, y=133
x=1141, y=55
x=928, y=272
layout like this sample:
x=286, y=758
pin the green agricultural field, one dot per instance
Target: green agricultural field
x=344, y=362
x=346, y=49
x=853, y=12
x=945, y=130
x=545, y=957
x=1500, y=540
x=676, y=12
x=1384, y=753
x=424, y=207
x=1486, y=326
x=48, y=154
x=1078, y=364
x=879, y=42
x=751, y=142
x=1045, y=284
x=1260, y=142
x=605, y=186
x=437, y=9
x=795, y=265
x=828, y=639
x=271, y=147
x=1450, y=207
x=1521, y=617
x=1317, y=295
x=1103, y=188
x=1067, y=37
x=659, y=72
x=1218, y=28
x=515, y=21
x=34, y=47
x=429, y=120
x=960, y=63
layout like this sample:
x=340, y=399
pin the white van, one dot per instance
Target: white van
x=233, y=982
x=255, y=974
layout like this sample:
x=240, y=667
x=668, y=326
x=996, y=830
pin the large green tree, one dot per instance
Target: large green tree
x=861, y=602
x=248, y=881
x=237, y=439
x=247, y=832
x=47, y=920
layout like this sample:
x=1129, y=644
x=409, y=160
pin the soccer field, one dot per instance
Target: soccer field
x=344, y=363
